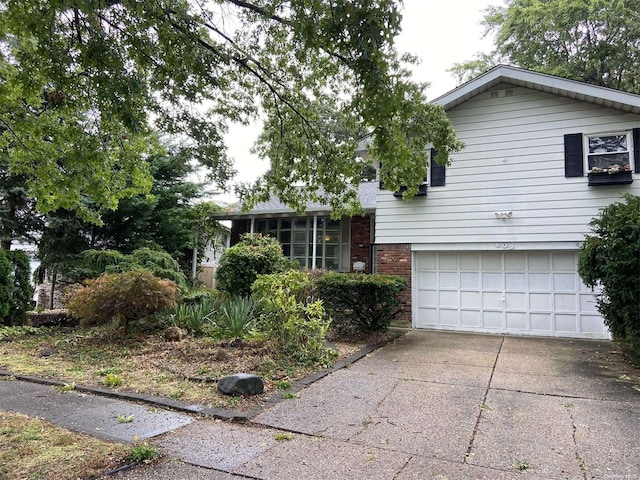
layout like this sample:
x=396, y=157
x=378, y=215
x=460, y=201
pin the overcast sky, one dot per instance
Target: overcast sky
x=440, y=32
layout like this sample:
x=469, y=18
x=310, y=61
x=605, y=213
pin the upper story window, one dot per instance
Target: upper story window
x=608, y=153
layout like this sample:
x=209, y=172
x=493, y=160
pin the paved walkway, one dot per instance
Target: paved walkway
x=429, y=405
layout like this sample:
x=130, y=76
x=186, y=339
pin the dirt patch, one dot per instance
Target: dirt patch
x=185, y=370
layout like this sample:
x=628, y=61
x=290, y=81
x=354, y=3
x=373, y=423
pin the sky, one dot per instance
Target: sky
x=440, y=32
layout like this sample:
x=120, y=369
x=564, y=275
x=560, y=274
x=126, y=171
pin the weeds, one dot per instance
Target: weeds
x=112, y=380
x=142, y=453
x=124, y=418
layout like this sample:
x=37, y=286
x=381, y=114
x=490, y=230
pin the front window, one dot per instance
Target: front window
x=296, y=237
x=608, y=153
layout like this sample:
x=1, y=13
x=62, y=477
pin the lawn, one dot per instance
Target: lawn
x=145, y=362
x=31, y=448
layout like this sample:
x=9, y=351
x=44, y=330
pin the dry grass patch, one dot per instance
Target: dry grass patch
x=147, y=363
x=31, y=448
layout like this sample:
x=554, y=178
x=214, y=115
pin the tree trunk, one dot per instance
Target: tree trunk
x=53, y=289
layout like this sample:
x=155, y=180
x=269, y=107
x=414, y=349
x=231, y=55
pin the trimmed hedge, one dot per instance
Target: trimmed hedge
x=363, y=302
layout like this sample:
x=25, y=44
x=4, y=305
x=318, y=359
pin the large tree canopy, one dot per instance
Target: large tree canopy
x=82, y=81
x=594, y=41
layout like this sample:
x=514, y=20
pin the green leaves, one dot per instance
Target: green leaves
x=594, y=41
x=610, y=259
x=83, y=83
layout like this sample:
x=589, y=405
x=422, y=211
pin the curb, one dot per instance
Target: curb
x=219, y=413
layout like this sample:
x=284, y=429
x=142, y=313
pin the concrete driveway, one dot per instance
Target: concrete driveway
x=435, y=405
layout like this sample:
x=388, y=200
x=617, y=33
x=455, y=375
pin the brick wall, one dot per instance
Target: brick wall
x=361, y=241
x=396, y=260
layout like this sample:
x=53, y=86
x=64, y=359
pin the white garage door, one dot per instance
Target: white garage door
x=534, y=293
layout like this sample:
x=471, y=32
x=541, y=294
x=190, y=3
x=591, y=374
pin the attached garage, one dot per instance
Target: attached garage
x=523, y=293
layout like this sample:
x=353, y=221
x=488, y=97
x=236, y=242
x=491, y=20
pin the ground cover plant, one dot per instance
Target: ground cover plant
x=31, y=448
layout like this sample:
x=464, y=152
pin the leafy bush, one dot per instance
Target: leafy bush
x=158, y=262
x=199, y=295
x=610, y=258
x=6, y=286
x=291, y=318
x=235, y=317
x=15, y=288
x=366, y=302
x=22, y=293
x=123, y=296
x=241, y=264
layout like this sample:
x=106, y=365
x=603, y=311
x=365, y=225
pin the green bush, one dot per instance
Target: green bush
x=364, y=302
x=158, y=262
x=241, y=264
x=291, y=318
x=22, y=292
x=6, y=287
x=610, y=259
x=15, y=288
x=123, y=296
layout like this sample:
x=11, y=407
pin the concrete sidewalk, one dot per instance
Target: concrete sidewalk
x=432, y=405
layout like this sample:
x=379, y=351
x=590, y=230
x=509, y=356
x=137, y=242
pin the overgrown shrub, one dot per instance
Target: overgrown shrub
x=50, y=318
x=241, y=264
x=123, y=297
x=199, y=295
x=364, y=302
x=291, y=318
x=158, y=262
x=610, y=259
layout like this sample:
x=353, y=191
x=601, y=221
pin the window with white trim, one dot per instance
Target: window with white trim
x=609, y=152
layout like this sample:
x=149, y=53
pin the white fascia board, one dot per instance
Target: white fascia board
x=543, y=82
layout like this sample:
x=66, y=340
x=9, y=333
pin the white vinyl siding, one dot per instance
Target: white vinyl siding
x=513, y=161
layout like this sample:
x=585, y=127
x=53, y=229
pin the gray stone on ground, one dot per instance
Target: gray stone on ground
x=241, y=384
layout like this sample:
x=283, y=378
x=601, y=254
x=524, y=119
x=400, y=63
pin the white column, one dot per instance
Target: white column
x=315, y=240
x=252, y=228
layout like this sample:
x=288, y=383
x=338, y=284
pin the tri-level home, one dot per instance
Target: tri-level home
x=491, y=243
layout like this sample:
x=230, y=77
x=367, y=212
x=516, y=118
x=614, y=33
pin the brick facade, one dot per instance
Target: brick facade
x=396, y=260
x=361, y=241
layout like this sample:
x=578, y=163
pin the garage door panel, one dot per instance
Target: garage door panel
x=516, y=320
x=512, y=292
x=566, y=323
x=492, y=281
x=540, y=282
x=516, y=301
x=564, y=281
x=470, y=300
x=541, y=322
x=470, y=318
x=515, y=281
x=540, y=301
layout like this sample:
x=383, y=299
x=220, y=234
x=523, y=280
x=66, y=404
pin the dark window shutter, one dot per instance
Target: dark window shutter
x=437, y=171
x=636, y=150
x=573, y=155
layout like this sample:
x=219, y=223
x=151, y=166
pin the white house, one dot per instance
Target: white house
x=492, y=247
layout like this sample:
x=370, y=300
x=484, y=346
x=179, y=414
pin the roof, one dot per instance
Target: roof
x=608, y=97
x=274, y=207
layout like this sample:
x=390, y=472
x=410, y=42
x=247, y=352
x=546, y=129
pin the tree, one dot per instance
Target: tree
x=594, y=41
x=610, y=259
x=18, y=217
x=168, y=218
x=81, y=82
